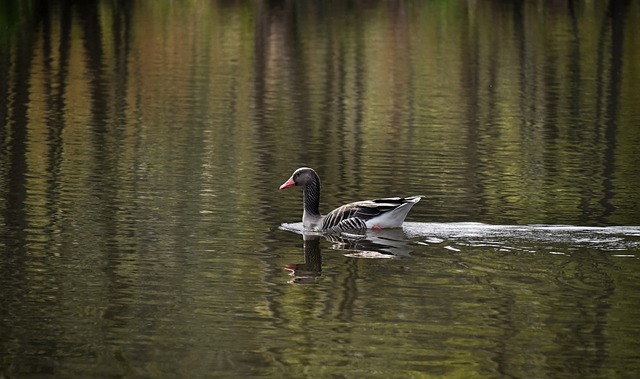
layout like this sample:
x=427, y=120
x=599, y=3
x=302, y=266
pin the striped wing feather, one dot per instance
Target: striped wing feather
x=355, y=215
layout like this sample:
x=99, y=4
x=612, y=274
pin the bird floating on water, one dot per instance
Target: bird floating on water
x=382, y=213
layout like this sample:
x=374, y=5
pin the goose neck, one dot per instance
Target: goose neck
x=311, y=198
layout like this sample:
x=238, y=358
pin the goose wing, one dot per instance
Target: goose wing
x=355, y=215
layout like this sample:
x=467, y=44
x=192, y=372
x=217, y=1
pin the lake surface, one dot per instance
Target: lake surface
x=143, y=233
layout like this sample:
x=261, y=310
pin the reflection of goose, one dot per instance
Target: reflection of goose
x=390, y=243
x=376, y=244
x=369, y=214
x=307, y=272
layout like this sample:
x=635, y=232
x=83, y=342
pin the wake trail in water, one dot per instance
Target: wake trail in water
x=613, y=238
x=623, y=241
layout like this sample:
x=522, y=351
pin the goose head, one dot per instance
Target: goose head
x=301, y=177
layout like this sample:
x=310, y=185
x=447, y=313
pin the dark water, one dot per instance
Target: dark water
x=143, y=233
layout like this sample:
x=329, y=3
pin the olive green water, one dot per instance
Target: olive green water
x=143, y=233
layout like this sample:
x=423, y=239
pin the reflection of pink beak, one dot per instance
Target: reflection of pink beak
x=288, y=183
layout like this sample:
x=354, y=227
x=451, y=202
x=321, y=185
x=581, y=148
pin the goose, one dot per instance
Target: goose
x=382, y=213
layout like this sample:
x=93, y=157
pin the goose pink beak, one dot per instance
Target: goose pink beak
x=288, y=183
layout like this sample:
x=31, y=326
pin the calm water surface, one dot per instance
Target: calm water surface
x=143, y=233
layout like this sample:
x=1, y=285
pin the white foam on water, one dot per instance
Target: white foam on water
x=552, y=239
